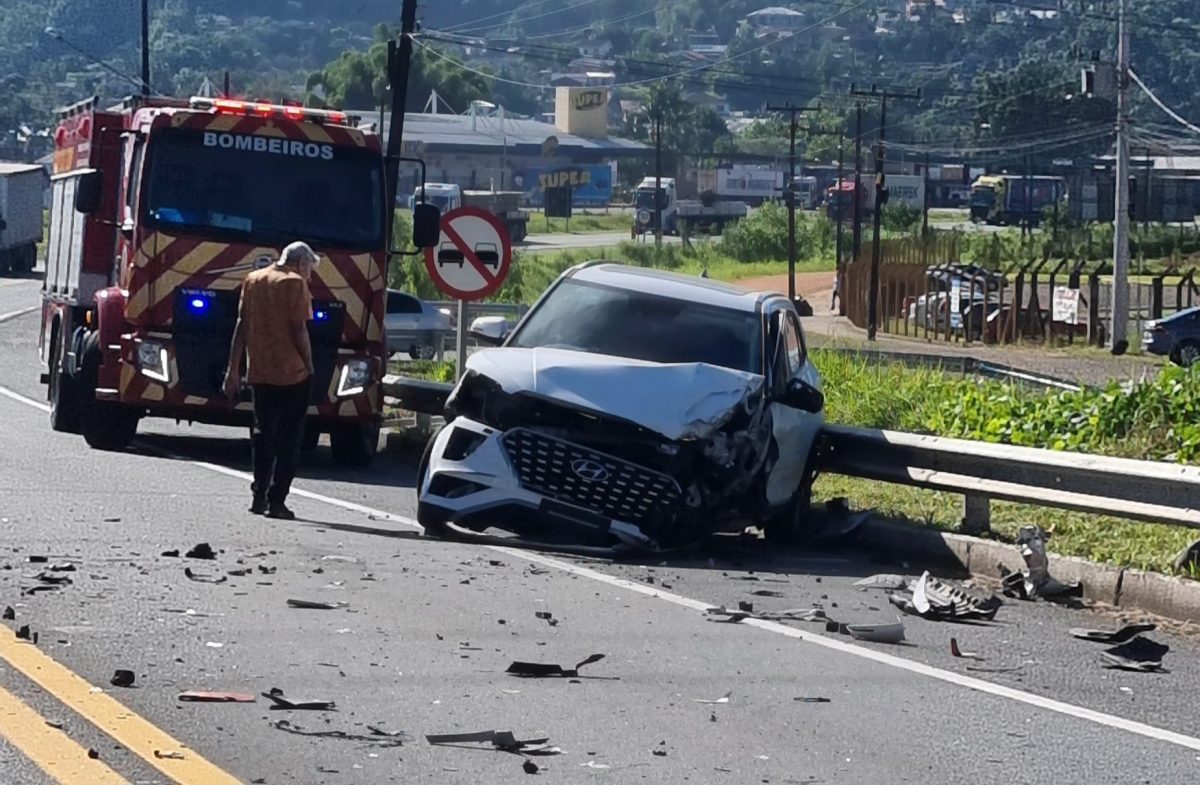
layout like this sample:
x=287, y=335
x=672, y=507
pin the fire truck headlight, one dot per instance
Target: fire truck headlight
x=356, y=374
x=152, y=359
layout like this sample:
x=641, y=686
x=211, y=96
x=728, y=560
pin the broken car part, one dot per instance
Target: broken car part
x=1139, y=654
x=204, y=696
x=499, y=739
x=877, y=633
x=378, y=738
x=122, y=678
x=316, y=606
x=543, y=670
x=937, y=598
x=201, y=551
x=281, y=701
x=811, y=700
x=957, y=652
x=9, y=613
x=201, y=578
x=1126, y=633
x=1036, y=581
x=886, y=581
x=723, y=699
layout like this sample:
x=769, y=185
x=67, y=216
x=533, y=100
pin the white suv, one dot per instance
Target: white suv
x=630, y=405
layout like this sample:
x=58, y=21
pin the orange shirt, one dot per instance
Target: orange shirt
x=275, y=302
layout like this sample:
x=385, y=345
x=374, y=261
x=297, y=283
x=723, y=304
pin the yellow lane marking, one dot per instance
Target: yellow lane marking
x=106, y=713
x=53, y=751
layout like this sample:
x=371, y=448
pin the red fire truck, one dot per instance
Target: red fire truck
x=160, y=207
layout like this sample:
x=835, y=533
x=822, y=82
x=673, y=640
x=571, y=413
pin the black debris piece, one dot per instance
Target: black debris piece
x=1140, y=654
x=122, y=678
x=548, y=617
x=314, y=605
x=56, y=724
x=9, y=613
x=766, y=593
x=529, y=766
x=171, y=554
x=93, y=754
x=1126, y=633
x=945, y=600
x=499, y=739
x=812, y=700
x=281, y=701
x=377, y=737
x=837, y=627
x=61, y=567
x=265, y=570
x=51, y=579
x=495, y=562
x=201, y=578
x=957, y=652
x=1188, y=557
x=241, y=572
x=660, y=753
x=538, y=670
x=1036, y=581
x=23, y=633
x=201, y=551
x=38, y=559
x=748, y=607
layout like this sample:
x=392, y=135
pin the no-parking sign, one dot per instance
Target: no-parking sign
x=473, y=254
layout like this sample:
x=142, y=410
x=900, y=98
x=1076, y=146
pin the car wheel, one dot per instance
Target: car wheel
x=790, y=524
x=432, y=519
x=354, y=444
x=1188, y=353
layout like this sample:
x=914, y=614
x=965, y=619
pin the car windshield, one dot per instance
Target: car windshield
x=599, y=319
x=327, y=195
x=645, y=200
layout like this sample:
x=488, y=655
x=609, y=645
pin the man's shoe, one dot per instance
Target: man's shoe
x=258, y=506
x=280, y=512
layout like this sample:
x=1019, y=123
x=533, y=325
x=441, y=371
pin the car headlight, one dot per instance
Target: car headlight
x=152, y=359
x=356, y=374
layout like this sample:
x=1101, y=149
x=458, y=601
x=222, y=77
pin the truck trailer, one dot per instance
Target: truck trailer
x=22, y=196
x=159, y=209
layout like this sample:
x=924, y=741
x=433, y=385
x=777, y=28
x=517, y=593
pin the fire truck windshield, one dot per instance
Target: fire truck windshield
x=235, y=187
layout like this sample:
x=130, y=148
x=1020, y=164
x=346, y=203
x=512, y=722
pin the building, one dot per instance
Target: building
x=775, y=19
x=484, y=148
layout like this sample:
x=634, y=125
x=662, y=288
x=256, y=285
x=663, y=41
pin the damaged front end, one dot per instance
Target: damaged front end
x=548, y=462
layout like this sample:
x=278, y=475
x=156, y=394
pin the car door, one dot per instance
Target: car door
x=794, y=430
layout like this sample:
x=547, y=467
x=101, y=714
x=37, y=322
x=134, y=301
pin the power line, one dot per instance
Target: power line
x=523, y=20
x=1158, y=102
x=497, y=15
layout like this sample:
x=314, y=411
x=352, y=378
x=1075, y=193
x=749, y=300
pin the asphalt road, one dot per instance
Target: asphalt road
x=429, y=628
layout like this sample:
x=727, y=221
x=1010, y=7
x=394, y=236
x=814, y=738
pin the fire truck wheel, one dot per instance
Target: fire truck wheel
x=354, y=444
x=64, y=393
x=105, y=426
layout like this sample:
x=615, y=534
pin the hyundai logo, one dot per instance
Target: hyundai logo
x=589, y=470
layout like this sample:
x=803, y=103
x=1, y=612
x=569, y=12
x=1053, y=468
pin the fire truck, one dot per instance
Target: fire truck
x=160, y=207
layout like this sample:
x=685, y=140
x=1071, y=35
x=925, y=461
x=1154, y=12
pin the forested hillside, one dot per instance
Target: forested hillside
x=989, y=70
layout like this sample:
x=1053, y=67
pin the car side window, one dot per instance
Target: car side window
x=402, y=303
x=793, y=345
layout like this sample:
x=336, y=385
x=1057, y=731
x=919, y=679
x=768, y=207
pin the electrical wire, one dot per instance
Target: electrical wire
x=523, y=20
x=497, y=15
x=1158, y=102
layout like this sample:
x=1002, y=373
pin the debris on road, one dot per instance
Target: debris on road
x=395, y=739
x=945, y=600
x=9, y=613
x=957, y=652
x=723, y=699
x=53, y=580
x=791, y=614
x=169, y=754
x=547, y=616
x=202, y=578
x=122, y=678
x=1036, y=581
x=529, y=766
x=265, y=570
x=281, y=701
x=38, y=559
x=502, y=740
x=171, y=554
x=766, y=593
x=544, y=670
x=240, y=573
x=812, y=700
x=316, y=606
x=23, y=633
x=1126, y=633
x=201, y=551
x=205, y=696
x=1188, y=557
x=61, y=567
x=56, y=724
x=886, y=581
x=1140, y=654
x=877, y=633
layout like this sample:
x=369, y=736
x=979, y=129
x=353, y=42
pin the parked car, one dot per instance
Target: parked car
x=630, y=405
x=1176, y=337
x=415, y=326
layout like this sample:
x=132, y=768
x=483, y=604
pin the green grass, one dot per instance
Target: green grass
x=580, y=223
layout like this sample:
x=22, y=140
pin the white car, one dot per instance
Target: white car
x=414, y=326
x=630, y=405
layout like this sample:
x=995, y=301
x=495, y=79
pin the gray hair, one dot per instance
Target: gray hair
x=298, y=252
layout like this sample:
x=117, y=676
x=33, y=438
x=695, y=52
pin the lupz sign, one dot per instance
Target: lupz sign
x=590, y=184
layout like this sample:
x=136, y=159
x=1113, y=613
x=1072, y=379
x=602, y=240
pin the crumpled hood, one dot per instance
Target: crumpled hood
x=679, y=401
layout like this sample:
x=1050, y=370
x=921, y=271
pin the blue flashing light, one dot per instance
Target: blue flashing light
x=321, y=316
x=198, y=304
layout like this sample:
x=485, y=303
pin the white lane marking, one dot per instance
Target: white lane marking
x=7, y=317
x=920, y=669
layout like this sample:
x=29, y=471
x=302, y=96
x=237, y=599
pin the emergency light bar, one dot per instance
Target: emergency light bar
x=257, y=109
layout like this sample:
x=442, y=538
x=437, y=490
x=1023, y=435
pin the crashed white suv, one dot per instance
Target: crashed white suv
x=630, y=405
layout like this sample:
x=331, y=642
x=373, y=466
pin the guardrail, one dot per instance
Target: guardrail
x=1148, y=491
x=956, y=364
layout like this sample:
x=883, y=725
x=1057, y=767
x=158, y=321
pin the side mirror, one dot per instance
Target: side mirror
x=803, y=396
x=427, y=225
x=491, y=330
x=89, y=189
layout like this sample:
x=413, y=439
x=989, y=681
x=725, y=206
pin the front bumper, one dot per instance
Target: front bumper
x=478, y=476
x=1156, y=343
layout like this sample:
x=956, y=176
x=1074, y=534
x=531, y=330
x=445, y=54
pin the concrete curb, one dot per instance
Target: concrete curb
x=1121, y=587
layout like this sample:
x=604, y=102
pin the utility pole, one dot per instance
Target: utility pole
x=880, y=195
x=1120, y=293
x=856, y=248
x=658, y=194
x=789, y=189
x=925, y=206
x=146, y=47
x=837, y=279
x=399, y=58
x=225, y=88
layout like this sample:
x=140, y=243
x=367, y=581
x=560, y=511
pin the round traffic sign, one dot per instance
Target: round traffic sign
x=473, y=254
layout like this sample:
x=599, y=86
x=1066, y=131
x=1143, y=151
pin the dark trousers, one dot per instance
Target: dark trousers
x=278, y=430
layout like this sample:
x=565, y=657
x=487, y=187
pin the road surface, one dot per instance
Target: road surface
x=428, y=629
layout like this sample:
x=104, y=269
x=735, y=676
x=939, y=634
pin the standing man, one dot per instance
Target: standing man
x=272, y=330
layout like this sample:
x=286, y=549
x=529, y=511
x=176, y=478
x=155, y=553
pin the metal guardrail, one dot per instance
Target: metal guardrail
x=964, y=365
x=1148, y=491
x=981, y=471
